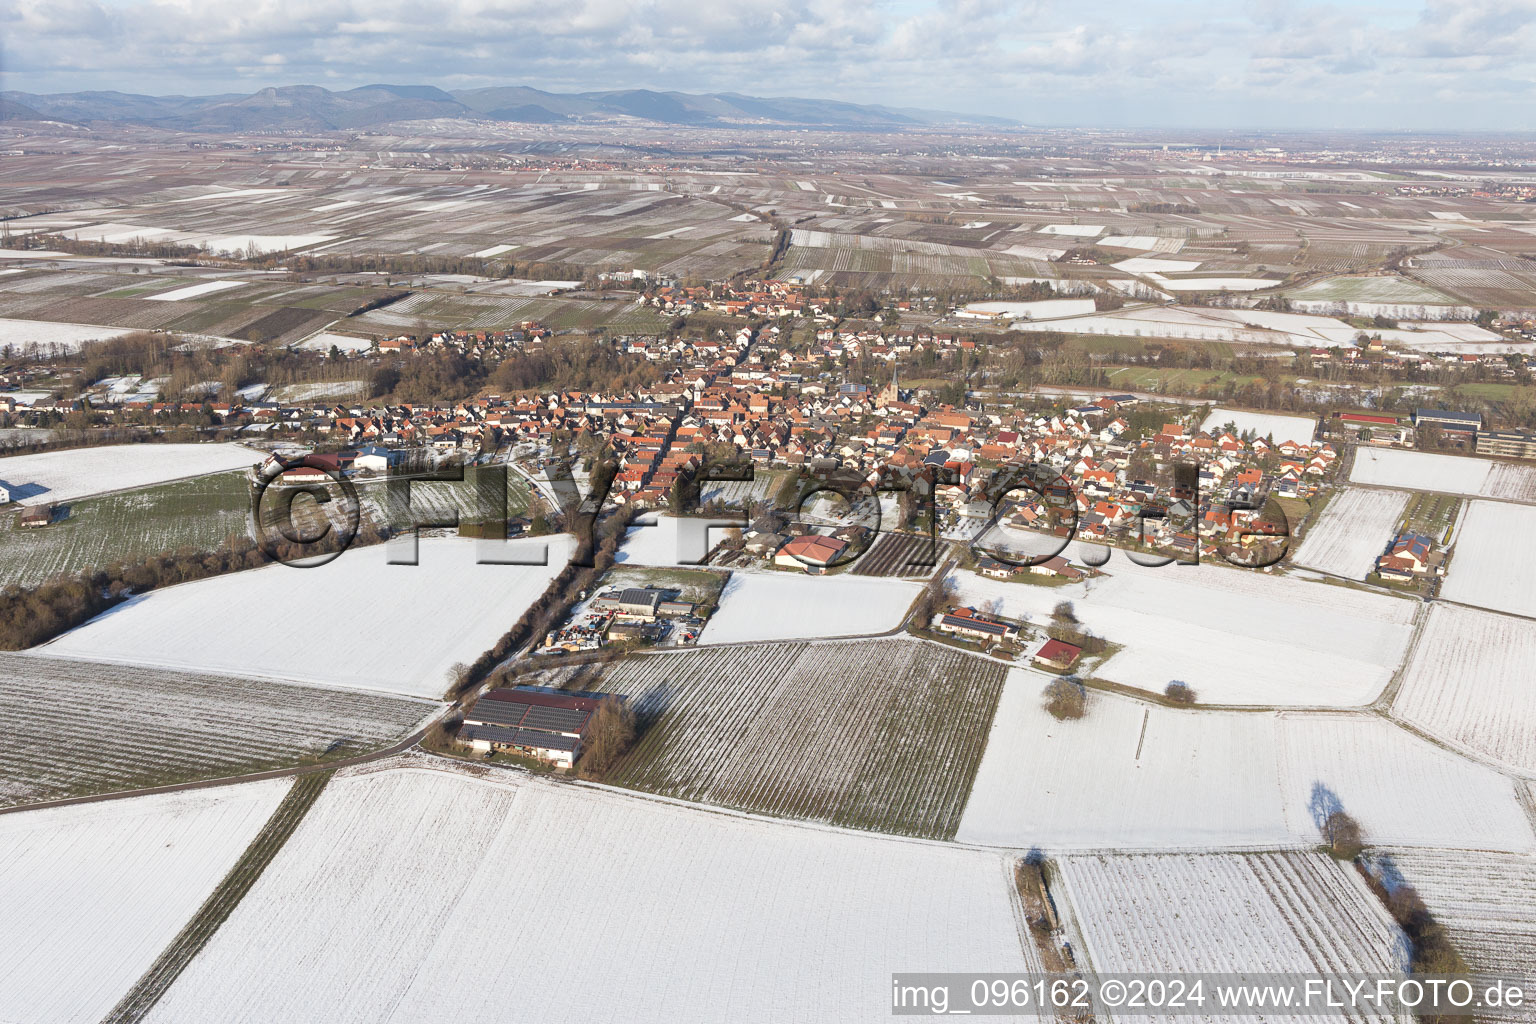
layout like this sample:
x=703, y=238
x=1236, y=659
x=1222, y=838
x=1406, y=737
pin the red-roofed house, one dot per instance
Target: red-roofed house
x=1058, y=655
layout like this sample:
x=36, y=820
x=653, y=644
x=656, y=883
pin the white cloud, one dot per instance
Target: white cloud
x=1157, y=61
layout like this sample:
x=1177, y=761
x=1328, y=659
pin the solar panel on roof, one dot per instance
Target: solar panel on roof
x=497, y=712
x=554, y=718
x=546, y=740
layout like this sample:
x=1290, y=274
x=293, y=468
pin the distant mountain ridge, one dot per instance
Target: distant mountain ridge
x=313, y=108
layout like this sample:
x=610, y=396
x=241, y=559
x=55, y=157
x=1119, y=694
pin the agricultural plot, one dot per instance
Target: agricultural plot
x=473, y=499
x=1214, y=284
x=734, y=492
x=74, y=728
x=53, y=477
x=1229, y=913
x=1447, y=474
x=1495, y=544
x=325, y=341
x=34, y=334
x=1133, y=776
x=1487, y=901
x=1261, y=424
x=1469, y=684
x=674, y=540
x=704, y=913
x=899, y=554
x=1354, y=529
x=882, y=735
x=1483, y=283
x=200, y=513
x=1372, y=289
x=1401, y=788
x=195, y=291
x=785, y=606
x=93, y=892
x=357, y=621
x=1434, y=514
x=315, y=390
x=1126, y=776
x=1235, y=636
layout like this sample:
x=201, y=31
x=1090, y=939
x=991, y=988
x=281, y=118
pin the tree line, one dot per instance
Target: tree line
x=33, y=615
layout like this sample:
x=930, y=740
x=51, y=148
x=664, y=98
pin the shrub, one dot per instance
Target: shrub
x=1180, y=692
x=1066, y=699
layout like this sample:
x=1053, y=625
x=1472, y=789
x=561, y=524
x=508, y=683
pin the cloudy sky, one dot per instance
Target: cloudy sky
x=1410, y=64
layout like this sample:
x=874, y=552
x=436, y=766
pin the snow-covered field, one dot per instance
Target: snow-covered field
x=1036, y=310
x=1401, y=788
x=52, y=477
x=90, y=894
x=1235, y=636
x=1214, y=284
x=1469, y=683
x=316, y=390
x=1145, y=243
x=1494, y=553
x=1148, y=265
x=1127, y=776
x=1448, y=474
x=193, y=291
x=1229, y=913
x=1134, y=776
x=113, y=232
x=1354, y=529
x=323, y=342
x=1486, y=900
x=25, y=334
x=673, y=540
x=1263, y=424
x=780, y=606
x=1075, y=230
x=385, y=904
x=356, y=621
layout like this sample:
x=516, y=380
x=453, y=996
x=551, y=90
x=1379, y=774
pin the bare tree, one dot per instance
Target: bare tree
x=1066, y=699
x=609, y=737
x=1180, y=692
x=1343, y=835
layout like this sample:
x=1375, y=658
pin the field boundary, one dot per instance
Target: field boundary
x=139, y=1000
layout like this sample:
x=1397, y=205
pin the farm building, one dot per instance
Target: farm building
x=531, y=721
x=5, y=495
x=300, y=475
x=812, y=550
x=645, y=604
x=650, y=632
x=763, y=544
x=40, y=515
x=1058, y=654
x=969, y=622
x=374, y=459
x=631, y=603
